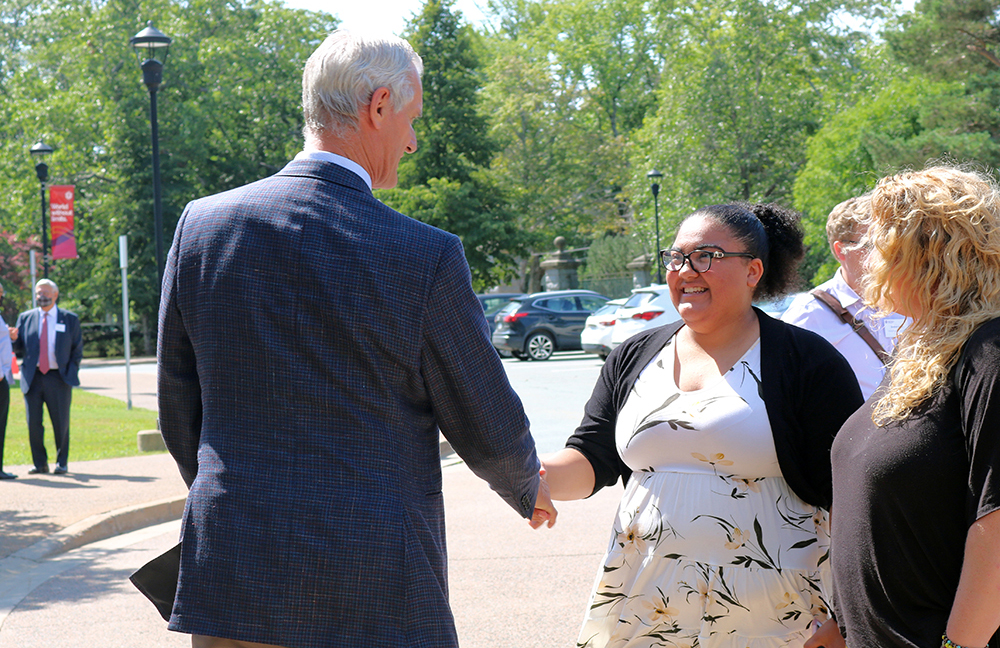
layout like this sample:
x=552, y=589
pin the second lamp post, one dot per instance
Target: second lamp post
x=148, y=44
x=655, y=176
x=39, y=151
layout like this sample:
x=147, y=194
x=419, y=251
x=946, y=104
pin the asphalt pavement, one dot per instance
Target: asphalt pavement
x=68, y=544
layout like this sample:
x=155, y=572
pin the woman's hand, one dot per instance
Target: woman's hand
x=826, y=636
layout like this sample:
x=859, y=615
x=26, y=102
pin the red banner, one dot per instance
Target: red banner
x=61, y=207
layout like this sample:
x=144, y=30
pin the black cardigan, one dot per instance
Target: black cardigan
x=809, y=390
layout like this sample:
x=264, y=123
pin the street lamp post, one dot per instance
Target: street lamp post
x=655, y=176
x=148, y=44
x=39, y=151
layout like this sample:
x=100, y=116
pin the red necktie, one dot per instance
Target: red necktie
x=43, y=345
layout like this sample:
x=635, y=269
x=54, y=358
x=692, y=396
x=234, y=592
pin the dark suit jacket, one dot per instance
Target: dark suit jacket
x=69, y=346
x=311, y=342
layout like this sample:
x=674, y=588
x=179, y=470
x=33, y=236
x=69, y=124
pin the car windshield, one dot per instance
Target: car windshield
x=604, y=310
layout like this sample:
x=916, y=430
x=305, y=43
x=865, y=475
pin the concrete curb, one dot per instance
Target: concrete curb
x=102, y=526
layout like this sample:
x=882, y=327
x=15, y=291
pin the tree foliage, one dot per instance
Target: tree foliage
x=542, y=123
x=446, y=182
x=228, y=114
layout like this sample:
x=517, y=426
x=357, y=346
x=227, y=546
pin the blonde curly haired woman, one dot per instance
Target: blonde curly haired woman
x=916, y=471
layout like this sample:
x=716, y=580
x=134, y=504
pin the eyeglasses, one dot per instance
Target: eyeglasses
x=699, y=260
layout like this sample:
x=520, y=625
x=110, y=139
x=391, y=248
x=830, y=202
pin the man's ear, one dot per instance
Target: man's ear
x=378, y=107
x=838, y=251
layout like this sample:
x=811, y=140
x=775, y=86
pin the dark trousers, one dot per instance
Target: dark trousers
x=52, y=390
x=4, y=408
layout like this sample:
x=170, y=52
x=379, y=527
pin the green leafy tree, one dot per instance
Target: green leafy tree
x=569, y=83
x=939, y=104
x=228, y=114
x=446, y=182
x=744, y=85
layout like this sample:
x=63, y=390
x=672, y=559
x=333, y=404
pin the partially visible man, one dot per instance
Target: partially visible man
x=6, y=380
x=312, y=343
x=49, y=342
x=834, y=309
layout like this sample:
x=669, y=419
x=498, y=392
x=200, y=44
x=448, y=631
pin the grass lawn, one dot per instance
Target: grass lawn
x=99, y=428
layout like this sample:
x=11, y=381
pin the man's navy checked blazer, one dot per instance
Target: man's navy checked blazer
x=311, y=342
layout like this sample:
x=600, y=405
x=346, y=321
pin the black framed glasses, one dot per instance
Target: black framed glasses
x=699, y=259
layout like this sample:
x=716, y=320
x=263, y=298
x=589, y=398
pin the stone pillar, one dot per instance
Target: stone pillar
x=641, y=268
x=560, y=269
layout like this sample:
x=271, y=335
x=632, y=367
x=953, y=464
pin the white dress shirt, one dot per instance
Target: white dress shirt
x=52, y=315
x=339, y=160
x=810, y=313
x=6, y=354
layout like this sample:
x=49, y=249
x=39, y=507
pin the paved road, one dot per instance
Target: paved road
x=510, y=586
x=553, y=392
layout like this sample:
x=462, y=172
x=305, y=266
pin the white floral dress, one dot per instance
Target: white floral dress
x=710, y=547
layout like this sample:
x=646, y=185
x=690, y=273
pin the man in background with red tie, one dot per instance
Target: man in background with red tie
x=50, y=345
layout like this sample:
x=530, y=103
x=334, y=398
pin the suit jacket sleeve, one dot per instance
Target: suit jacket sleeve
x=75, y=333
x=178, y=387
x=474, y=404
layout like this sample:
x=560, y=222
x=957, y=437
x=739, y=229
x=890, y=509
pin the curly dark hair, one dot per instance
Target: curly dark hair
x=771, y=233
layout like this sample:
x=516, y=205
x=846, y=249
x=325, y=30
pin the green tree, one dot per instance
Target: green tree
x=446, y=182
x=569, y=83
x=744, y=85
x=930, y=94
x=911, y=122
x=228, y=114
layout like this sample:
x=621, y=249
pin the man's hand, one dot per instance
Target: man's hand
x=545, y=510
x=13, y=332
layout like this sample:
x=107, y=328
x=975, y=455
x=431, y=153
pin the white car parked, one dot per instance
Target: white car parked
x=647, y=308
x=596, y=335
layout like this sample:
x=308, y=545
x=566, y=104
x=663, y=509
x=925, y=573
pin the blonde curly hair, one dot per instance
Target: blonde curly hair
x=935, y=256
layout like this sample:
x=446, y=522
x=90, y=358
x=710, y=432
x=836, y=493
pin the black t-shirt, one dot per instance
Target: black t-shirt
x=904, y=497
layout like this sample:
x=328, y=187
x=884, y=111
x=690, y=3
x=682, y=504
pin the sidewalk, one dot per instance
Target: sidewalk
x=510, y=585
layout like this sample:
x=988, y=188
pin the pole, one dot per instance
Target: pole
x=123, y=253
x=157, y=204
x=656, y=210
x=45, y=237
x=34, y=275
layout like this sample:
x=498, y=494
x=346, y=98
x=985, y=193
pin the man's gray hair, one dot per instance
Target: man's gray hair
x=47, y=282
x=343, y=73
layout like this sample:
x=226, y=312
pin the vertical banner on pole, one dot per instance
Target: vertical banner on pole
x=61, y=213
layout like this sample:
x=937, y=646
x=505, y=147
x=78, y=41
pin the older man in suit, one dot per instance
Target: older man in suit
x=312, y=343
x=50, y=343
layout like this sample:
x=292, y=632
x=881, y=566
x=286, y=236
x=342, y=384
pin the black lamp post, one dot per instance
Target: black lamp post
x=39, y=151
x=148, y=44
x=655, y=176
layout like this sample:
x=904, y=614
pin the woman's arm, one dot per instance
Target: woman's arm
x=568, y=474
x=975, y=614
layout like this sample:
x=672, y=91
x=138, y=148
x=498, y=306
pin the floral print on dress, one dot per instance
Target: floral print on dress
x=709, y=548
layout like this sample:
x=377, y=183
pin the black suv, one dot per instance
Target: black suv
x=535, y=326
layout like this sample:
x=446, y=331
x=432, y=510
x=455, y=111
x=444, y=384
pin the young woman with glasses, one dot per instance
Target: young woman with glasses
x=720, y=426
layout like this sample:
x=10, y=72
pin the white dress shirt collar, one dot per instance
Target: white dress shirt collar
x=844, y=293
x=339, y=160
